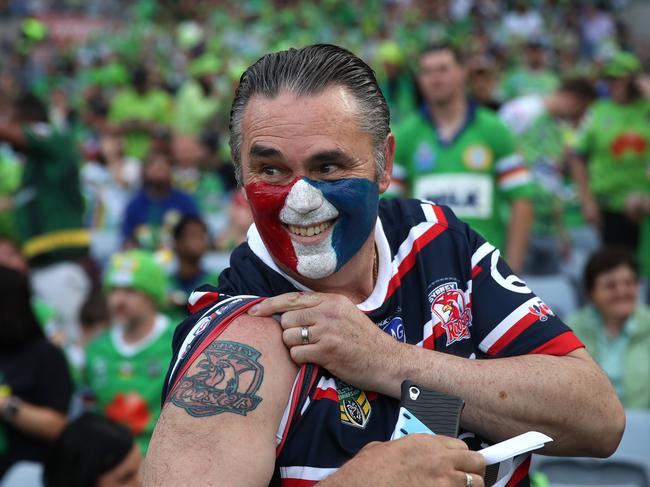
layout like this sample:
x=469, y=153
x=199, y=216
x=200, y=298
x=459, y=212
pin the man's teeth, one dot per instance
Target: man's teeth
x=309, y=231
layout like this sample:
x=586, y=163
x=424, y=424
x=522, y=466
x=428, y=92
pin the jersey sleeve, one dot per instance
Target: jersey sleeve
x=513, y=176
x=54, y=388
x=508, y=318
x=211, y=313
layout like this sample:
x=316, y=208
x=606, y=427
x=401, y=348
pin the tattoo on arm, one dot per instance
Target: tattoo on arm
x=224, y=379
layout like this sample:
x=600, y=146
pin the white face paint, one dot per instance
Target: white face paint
x=306, y=207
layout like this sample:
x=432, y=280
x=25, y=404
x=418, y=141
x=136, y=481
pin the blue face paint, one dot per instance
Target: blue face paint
x=357, y=201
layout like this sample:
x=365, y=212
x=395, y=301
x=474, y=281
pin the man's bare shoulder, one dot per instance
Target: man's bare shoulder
x=227, y=404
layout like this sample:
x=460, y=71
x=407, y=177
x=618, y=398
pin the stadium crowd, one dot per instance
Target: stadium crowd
x=117, y=196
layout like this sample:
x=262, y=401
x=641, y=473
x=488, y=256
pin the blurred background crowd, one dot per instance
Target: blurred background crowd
x=530, y=118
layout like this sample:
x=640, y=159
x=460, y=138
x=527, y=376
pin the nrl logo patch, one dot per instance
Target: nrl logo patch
x=448, y=307
x=354, y=405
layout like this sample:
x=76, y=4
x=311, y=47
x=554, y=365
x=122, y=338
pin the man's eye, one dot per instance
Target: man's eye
x=270, y=171
x=328, y=168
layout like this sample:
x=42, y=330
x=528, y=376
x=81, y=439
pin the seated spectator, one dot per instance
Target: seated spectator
x=154, y=211
x=240, y=219
x=191, y=242
x=35, y=385
x=93, y=452
x=615, y=327
x=126, y=365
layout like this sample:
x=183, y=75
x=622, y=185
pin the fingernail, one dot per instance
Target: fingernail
x=254, y=309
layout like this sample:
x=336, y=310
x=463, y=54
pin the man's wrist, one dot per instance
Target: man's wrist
x=10, y=409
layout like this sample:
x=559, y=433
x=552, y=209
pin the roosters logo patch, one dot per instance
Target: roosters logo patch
x=449, y=308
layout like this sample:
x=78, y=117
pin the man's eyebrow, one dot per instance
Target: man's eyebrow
x=264, y=152
x=330, y=156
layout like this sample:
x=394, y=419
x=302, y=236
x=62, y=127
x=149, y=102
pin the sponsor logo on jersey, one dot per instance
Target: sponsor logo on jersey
x=394, y=326
x=425, y=157
x=354, y=405
x=477, y=157
x=448, y=307
x=541, y=309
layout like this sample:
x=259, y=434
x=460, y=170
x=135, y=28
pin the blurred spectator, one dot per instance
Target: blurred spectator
x=482, y=81
x=615, y=327
x=10, y=175
x=140, y=112
x=541, y=125
x=395, y=80
x=191, y=241
x=522, y=21
x=460, y=154
x=35, y=385
x=196, y=101
x=49, y=210
x=533, y=76
x=93, y=452
x=154, y=211
x=597, y=26
x=240, y=219
x=126, y=365
x=612, y=153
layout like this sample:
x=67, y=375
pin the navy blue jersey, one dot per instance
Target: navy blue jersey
x=440, y=286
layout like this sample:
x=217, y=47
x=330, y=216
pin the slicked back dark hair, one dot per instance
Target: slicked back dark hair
x=309, y=71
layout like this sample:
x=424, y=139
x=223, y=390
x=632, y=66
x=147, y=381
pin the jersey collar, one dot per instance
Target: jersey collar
x=469, y=118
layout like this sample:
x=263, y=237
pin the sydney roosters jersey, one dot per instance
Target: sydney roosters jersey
x=440, y=286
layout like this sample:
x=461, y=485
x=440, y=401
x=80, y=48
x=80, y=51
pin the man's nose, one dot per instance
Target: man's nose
x=304, y=198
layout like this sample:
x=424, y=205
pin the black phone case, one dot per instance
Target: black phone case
x=439, y=412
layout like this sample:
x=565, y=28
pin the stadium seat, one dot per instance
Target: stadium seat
x=556, y=291
x=629, y=466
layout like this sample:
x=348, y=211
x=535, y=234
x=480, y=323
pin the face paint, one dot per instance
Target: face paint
x=295, y=221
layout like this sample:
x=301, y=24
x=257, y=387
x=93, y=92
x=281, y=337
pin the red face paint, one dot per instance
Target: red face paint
x=266, y=201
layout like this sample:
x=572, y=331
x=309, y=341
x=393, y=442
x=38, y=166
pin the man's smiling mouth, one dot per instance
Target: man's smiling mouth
x=309, y=230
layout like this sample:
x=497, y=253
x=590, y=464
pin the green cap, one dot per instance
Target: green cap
x=139, y=270
x=205, y=64
x=622, y=64
x=389, y=52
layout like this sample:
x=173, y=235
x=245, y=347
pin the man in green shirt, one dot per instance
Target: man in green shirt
x=140, y=111
x=533, y=77
x=126, y=365
x=459, y=154
x=48, y=210
x=612, y=154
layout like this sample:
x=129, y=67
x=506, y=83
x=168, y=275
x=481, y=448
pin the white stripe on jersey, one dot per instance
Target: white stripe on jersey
x=507, y=469
x=429, y=214
x=426, y=332
x=507, y=323
x=483, y=251
x=515, y=180
x=279, y=434
x=508, y=163
x=306, y=473
x=324, y=383
x=195, y=296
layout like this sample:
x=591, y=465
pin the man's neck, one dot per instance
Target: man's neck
x=189, y=268
x=137, y=330
x=449, y=115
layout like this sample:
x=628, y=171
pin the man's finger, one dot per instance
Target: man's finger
x=305, y=354
x=292, y=337
x=285, y=302
x=470, y=461
x=296, y=318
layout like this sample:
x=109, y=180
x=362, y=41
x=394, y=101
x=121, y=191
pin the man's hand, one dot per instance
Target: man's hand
x=414, y=460
x=341, y=338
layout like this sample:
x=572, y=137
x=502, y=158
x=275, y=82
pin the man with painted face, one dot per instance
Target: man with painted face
x=289, y=371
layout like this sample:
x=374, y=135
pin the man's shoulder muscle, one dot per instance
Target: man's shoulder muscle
x=225, y=409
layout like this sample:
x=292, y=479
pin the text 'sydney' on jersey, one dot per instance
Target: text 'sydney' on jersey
x=440, y=286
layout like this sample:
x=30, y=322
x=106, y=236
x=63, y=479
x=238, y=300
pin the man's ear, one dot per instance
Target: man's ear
x=389, y=155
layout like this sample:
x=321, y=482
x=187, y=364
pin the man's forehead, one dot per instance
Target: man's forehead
x=322, y=111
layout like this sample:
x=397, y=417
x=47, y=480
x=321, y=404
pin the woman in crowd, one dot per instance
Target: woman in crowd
x=35, y=385
x=615, y=327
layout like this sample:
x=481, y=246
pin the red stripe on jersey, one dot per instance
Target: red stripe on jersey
x=212, y=336
x=298, y=483
x=512, y=172
x=520, y=473
x=562, y=344
x=207, y=298
x=476, y=271
x=514, y=331
x=292, y=410
x=409, y=261
x=329, y=393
